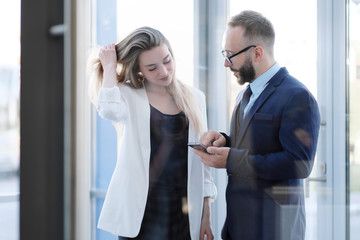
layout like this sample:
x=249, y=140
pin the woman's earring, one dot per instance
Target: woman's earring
x=141, y=77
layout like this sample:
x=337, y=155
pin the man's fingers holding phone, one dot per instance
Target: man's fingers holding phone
x=198, y=146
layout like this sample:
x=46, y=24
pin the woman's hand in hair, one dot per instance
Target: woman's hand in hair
x=107, y=56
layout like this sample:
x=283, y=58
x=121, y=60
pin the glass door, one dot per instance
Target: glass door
x=328, y=183
x=310, y=43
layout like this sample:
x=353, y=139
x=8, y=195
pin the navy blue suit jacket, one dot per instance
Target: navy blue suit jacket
x=272, y=151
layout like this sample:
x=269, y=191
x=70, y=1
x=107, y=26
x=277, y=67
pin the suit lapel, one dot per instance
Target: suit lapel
x=237, y=132
x=268, y=91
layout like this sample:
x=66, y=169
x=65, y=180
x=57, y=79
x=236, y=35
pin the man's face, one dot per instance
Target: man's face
x=241, y=65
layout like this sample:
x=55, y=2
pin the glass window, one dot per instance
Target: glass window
x=9, y=119
x=296, y=49
x=114, y=20
x=174, y=20
x=295, y=45
x=354, y=124
x=299, y=30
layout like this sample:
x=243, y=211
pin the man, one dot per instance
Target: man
x=272, y=142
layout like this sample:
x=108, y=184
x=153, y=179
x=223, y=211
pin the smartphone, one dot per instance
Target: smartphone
x=198, y=146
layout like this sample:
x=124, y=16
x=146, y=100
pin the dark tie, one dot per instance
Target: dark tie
x=244, y=101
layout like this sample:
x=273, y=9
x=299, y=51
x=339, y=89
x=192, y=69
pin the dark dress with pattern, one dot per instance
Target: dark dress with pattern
x=166, y=215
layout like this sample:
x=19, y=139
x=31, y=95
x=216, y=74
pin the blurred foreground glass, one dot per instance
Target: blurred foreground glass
x=300, y=42
x=354, y=124
x=9, y=119
x=114, y=20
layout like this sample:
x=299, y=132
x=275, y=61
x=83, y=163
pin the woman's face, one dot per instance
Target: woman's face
x=157, y=66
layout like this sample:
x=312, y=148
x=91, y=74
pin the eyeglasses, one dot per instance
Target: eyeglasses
x=225, y=53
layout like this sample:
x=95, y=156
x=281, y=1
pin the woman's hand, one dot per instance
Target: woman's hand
x=205, y=227
x=107, y=56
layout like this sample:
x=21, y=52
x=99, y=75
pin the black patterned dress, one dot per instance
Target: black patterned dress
x=166, y=215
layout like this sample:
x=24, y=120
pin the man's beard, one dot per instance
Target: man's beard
x=246, y=72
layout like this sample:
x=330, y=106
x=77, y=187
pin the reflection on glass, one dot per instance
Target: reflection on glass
x=115, y=19
x=9, y=119
x=354, y=99
x=295, y=49
x=173, y=18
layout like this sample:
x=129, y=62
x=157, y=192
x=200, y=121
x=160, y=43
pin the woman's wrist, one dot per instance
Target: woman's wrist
x=109, y=77
x=206, y=208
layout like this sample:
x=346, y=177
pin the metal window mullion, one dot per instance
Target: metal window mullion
x=211, y=78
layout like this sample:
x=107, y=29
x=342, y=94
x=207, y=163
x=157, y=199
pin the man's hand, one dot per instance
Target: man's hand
x=216, y=158
x=212, y=138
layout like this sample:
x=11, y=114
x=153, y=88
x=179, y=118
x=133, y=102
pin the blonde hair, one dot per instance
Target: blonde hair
x=128, y=72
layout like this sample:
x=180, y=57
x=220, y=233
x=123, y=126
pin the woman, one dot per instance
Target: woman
x=159, y=188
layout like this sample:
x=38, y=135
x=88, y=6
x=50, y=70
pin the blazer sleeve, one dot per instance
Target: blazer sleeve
x=298, y=134
x=111, y=104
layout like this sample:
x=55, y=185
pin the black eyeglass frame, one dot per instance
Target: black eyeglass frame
x=235, y=54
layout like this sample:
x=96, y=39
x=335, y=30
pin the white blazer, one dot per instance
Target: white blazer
x=126, y=197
